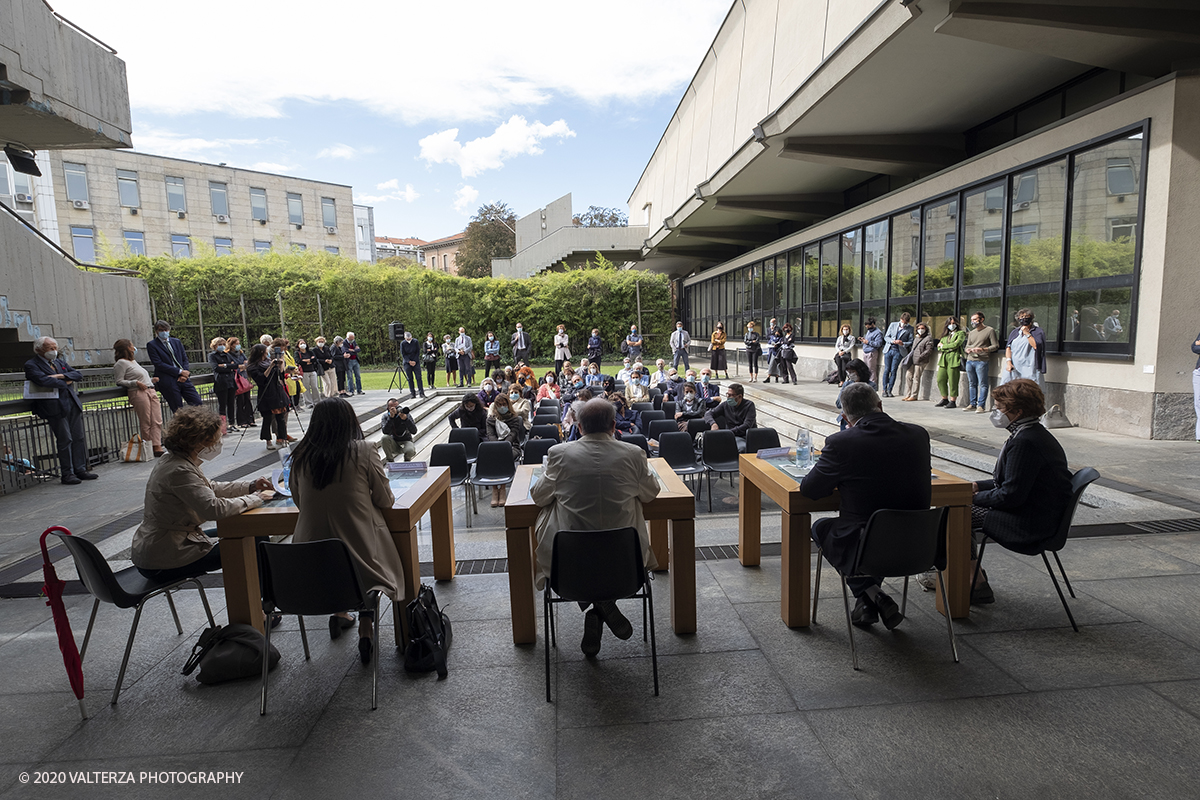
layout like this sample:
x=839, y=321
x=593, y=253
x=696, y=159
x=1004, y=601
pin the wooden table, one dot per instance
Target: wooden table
x=239, y=555
x=672, y=520
x=760, y=475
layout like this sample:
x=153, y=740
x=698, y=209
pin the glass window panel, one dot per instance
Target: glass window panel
x=852, y=256
x=982, y=301
x=812, y=276
x=896, y=308
x=941, y=223
x=224, y=246
x=295, y=205
x=1043, y=305
x=21, y=184
x=4, y=187
x=218, y=194
x=829, y=270
x=1099, y=315
x=258, y=204
x=829, y=323
x=1094, y=90
x=77, y=184
x=127, y=188
x=332, y=249
x=878, y=311
x=875, y=261
x=1039, y=115
x=781, y=284
x=906, y=241
x=934, y=315
x=262, y=246
x=1104, y=222
x=181, y=246
x=1035, y=244
x=176, y=199
x=853, y=317
x=83, y=240
x=135, y=243
x=329, y=213
x=983, y=239
x=795, y=287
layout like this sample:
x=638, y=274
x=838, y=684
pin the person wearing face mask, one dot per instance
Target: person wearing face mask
x=625, y=370
x=562, y=350
x=708, y=392
x=843, y=352
x=410, y=359
x=133, y=377
x=774, y=351
x=470, y=414
x=398, y=429
x=339, y=364
x=549, y=390
x=306, y=357
x=491, y=353
x=716, y=346
x=172, y=368
x=629, y=420
x=633, y=343
x=64, y=413
x=570, y=418
x=635, y=390
x=753, y=344
x=1025, y=353
x=787, y=354
x=243, y=409
x=295, y=376
x=676, y=382
x=897, y=342
x=919, y=359
x=325, y=367
x=351, y=353
x=519, y=398
x=949, y=362
x=451, y=356
x=465, y=349
x=1030, y=488
x=680, y=341
x=429, y=358
x=981, y=343
x=224, y=386
x=875, y=463
x=520, y=344
x=488, y=392
x=660, y=374
x=169, y=544
x=595, y=348
x=736, y=414
x=872, y=346
x=266, y=368
x=505, y=424
x=689, y=406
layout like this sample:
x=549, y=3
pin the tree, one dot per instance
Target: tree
x=600, y=217
x=489, y=235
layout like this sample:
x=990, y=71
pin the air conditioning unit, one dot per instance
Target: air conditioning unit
x=298, y=226
x=182, y=214
x=133, y=212
x=1022, y=206
x=81, y=204
x=24, y=198
x=222, y=218
x=330, y=229
x=262, y=222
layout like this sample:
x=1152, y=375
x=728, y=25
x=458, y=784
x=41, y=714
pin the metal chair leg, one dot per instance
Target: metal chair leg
x=1066, y=607
x=467, y=505
x=303, y=636
x=653, y=641
x=709, y=491
x=204, y=599
x=1066, y=580
x=88, y=635
x=949, y=622
x=128, y=649
x=174, y=613
x=375, y=657
x=266, y=649
x=849, y=624
x=817, y=586
x=548, y=637
x=904, y=597
x=978, y=565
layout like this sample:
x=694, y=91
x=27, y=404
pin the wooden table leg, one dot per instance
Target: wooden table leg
x=520, y=585
x=749, y=522
x=239, y=568
x=958, y=563
x=442, y=531
x=406, y=546
x=658, y=543
x=797, y=569
x=683, y=575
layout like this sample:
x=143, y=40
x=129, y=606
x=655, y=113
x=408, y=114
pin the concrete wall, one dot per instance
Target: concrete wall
x=539, y=224
x=364, y=232
x=562, y=243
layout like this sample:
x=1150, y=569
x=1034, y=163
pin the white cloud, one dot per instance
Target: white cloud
x=392, y=184
x=464, y=199
x=271, y=166
x=338, y=151
x=163, y=142
x=507, y=56
x=513, y=138
x=393, y=192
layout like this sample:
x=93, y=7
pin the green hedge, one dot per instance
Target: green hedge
x=364, y=298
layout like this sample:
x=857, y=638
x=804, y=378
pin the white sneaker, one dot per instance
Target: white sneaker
x=271, y=445
x=981, y=410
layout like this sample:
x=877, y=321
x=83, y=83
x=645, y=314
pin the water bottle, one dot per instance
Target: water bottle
x=804, y=457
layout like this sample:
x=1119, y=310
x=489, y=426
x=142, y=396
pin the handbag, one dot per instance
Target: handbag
x=135, y=450
x=430, y=635
x=241, y=382
x=229, y=652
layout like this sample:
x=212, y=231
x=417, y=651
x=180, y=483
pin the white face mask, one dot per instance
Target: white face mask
x=51, y=355
x=209, y=453
x=951, y=327
x=1000, y=419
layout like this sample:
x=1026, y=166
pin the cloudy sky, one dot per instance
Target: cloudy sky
x=427, y=109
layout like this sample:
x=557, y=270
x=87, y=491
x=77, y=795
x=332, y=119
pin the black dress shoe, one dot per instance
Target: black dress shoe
x=617, y=622
x=276, y=620
x=338, y=624
x=364, y=649
x=888, y=610
x=86, y=476
x=71, y=480
x=593, y=629
x=943, y=402
x=864, y=613
x=981, y=593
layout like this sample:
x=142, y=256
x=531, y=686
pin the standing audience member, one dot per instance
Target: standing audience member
x=520, y=344
x=471, y=413
x=633, y=343
x=1025, y=355
x=872, y=344
x=718, y=361
x=341, y=490
x=241, y=401
x=325, y=367
x=549, y=390
x=950, y=352
x=169, y=544
x=64, y=413
x=429, y=358
x=1196, y=384
x=224, y=386
x=310, y=367
x=399, y=429
x=595, y=348
x=451, y=356
x=981, y=343
x=562, y=349
x=505, y=425
x=736, y=414
x=465, y=349
x=920, y=358
x=142, y=397
x=171, y=367
x=753, y=349
x=787, y=354
x=267, y=370
x=351, y=353
x=843, y=352
x=491, y=353
x=775, y=342
x=566, y=493
x=338, y=351
x=897, y=342
x=680, y=340
x=410, y=356
x=294, y=383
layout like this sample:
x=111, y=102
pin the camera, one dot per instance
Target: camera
x=396, y=331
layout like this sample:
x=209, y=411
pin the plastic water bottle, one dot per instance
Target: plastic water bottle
x=804, y=457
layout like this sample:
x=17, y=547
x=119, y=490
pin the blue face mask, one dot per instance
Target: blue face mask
x=731, y=400
x=578, y=384
x=220, y=348
x=237, y=347
x=704, y=379
x=164, y=335
x=514, y=397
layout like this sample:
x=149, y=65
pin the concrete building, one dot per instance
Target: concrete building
x=410, y=248
x=63, y=89
x=364, y=233
x=151, y=205
x=440, y=253
x=837, y=160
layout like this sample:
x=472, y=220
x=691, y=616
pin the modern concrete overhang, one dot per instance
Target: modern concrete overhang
x=896, y=98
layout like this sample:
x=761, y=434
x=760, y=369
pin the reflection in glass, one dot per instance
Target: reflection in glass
x=1104, y=221
x=1035, y=245
x=829, y=270
x=876, y=311
x=875, y=266
x=795, y=298
x=941, y=225
x=1044, y=307
x=983, y=218
x=812, y=276
x=852, y=253
x=829, y=323
x=934, y=315
x=1099, y=315
x=906, y=247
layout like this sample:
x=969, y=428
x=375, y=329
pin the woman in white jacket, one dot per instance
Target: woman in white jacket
x=561, y=351
x=843, y=352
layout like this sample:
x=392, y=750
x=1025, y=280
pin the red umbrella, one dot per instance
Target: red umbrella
x=53, y=589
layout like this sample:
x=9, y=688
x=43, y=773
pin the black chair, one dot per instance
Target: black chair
x=761, y=439
x=454, y=456
x=470, y=440
x=660, y=426
x=1079, y=482
x=643, y=407
x=696, y=427
x=548, y=402
x=720, y=456
x=638, y=439
x=668, y=408
x=649, y=417
x=495, y=466
x=314, y=579
x=125, y=589
x=535, y=449
x=896, y=544
x=545, y=432
x=676, y=449
x=545, y=419
x=596, y=567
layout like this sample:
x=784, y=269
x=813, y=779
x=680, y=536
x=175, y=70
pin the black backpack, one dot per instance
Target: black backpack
x=430, y=635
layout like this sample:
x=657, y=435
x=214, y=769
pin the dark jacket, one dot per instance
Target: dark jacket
x=878, y=463
x=38, y=371
x=410, y=350
x=309, y=361
x=271, y=394
x=461, y=418
x=339, y=361
x=904, y=335
x=1029, y=493
x=739, y=418
x=923, y=351
x=402, y=430
x=324, y=359
x=169, y=358
x=1196, y=349
x=223, y=367
x=595, y=347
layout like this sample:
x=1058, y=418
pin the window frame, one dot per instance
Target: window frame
x=224, y=190
x=124, y=178
x=80, y=173
x=182, y=193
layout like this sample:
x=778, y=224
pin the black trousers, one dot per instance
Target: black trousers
x=821, y=530
x=245, y=411
x=280, y=423
x=753, y=355
x=430, y=372
x=72, y=445
x=225, y=402
x=176, y=393
x=414, y=374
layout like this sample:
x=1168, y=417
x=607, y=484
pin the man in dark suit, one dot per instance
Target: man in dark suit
x=875, y=463
x=410, y=356
x=64, y=413
x=171, y=367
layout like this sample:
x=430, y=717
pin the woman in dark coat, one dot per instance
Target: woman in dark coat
x=471, y=413
x=273, y=402
x=245, y=411
x=224, y=387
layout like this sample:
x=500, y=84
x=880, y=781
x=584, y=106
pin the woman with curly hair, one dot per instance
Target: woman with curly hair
x=133, y=377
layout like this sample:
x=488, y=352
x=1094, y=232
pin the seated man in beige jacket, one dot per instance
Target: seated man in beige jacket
x=595, y=483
